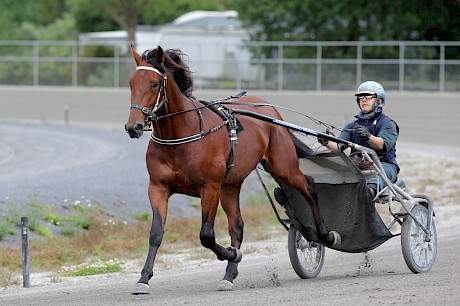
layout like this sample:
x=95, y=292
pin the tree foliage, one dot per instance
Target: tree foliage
x=161, y=12
x=351, y=20
x=93, y=15
x=90, y=17
x=110, y=15
x=15, y=15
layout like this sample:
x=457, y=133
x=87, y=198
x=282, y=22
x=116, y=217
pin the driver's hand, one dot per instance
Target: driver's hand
x=362, y=131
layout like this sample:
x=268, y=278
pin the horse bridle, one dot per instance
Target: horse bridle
x=152, y=115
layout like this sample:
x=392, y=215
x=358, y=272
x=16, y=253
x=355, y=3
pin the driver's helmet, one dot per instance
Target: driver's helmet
x=372, y=88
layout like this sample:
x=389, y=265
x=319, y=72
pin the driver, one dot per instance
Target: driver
x=372, y=129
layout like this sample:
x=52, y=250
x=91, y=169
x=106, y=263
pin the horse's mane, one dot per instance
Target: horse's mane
x=175, y=63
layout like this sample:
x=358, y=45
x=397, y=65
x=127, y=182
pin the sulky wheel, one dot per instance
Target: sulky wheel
x=306, y=257
x=418, y=254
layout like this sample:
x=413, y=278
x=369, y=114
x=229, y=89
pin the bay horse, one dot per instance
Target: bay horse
x=189, y=153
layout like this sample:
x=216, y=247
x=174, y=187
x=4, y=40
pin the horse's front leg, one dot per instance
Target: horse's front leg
x=159, y=204
x=209, y=202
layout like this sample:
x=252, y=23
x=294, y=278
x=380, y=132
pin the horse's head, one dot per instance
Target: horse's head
x=148, y=91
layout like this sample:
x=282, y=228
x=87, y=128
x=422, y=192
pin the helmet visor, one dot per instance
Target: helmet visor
x=365, y=93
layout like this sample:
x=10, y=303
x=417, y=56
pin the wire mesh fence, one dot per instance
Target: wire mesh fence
x=429, y=66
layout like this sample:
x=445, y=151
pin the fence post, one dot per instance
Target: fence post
x=442, y=70
x=280, y=66
x=319, y=63
x=25, y=252
x=66, y=115
x=359, y=63
x=36, y=61
x=75, y=64
x=401, y=65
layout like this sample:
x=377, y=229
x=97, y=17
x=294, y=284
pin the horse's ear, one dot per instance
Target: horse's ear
x=137, y=56
x=159, y=55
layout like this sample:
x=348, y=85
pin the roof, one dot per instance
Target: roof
x=194, y=16
x=208, y=19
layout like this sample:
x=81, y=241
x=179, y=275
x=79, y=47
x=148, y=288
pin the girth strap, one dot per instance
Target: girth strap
x=234, y=126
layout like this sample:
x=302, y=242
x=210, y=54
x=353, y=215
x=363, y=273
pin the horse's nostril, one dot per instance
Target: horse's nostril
x=139, y=127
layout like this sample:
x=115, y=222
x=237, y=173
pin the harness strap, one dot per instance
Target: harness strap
x=173, y=142
x=178, y=141
x=229, y=119
x=233, y=127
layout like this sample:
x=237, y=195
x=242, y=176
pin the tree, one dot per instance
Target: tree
x=111, y=15
x=40, y=13
x=91, y=18
x=350, y=19
x=125, y=13
x=161, y=12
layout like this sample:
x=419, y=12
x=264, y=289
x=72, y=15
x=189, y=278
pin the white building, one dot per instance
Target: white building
x=212, y=40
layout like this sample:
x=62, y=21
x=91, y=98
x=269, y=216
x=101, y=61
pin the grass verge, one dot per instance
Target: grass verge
x=85, y=235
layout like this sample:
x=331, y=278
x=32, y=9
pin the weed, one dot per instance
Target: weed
x=53, y=219
x=141, y=216
x=43, y=230
x=196, y=203
x=84, y=235
x=81, y=217
x=7, y=278
x=99, y=267
x=68, y=229
x=41, y=215
x=6, y=228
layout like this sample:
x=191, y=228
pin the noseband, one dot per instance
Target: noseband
x=152, y=115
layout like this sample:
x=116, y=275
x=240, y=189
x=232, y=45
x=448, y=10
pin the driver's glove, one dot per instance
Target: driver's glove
x=362, y=131
x=322, y=141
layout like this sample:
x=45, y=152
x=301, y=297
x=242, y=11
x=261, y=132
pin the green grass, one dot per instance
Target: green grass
x=144, y=216
x=6, y=228
x=99, y=267
x=42, y=220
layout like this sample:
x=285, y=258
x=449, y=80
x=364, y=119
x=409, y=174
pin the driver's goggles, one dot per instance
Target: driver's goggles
x=367, y=97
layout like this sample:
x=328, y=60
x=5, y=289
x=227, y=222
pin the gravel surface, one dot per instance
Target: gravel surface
x=267, y=278
x=61, y=166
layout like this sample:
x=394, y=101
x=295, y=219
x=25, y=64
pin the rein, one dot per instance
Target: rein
x=225, y=102
x=152, y=115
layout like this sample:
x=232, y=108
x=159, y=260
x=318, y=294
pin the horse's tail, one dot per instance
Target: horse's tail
x=301, y=148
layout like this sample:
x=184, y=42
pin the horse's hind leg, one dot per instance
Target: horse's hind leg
x=209, y=202
x=231, y=205
x=331, y=238
x=290, y=174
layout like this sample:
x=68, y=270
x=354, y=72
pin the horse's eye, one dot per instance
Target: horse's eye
x=154, y=85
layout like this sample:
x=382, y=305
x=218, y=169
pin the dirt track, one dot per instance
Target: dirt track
x=35, y=159
x=426, y=119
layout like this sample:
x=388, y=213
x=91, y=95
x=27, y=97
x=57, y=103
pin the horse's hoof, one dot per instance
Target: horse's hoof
x=225, y=285
x=238, y=257
x=140, y=288
x=337, y=238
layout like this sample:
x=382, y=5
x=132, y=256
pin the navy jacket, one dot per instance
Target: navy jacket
x=379, y=125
